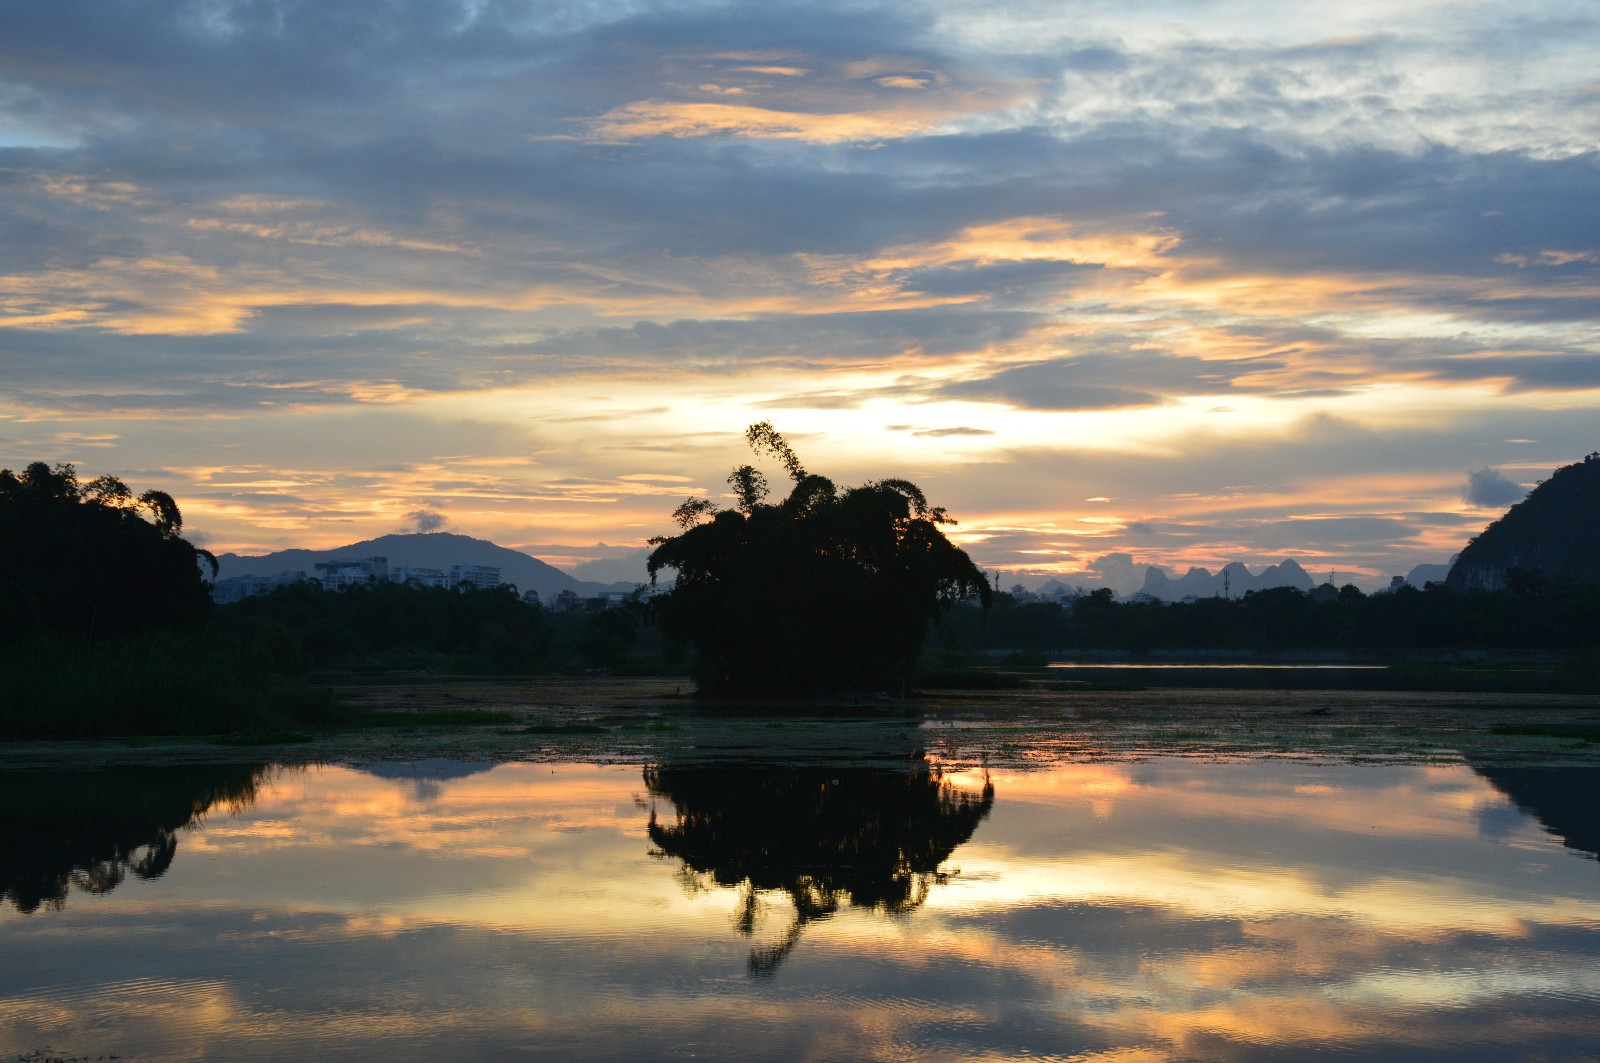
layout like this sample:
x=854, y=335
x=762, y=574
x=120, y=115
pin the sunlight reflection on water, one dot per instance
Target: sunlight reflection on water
x=1158, y=910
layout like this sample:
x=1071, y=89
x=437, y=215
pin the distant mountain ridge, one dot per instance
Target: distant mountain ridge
x=1234, y=580
x=1552, y=532
x=425, y=550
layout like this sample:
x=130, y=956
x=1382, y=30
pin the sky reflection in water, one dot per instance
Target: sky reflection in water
x=1141, y=911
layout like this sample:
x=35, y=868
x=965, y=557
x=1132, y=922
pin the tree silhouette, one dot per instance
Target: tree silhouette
x=826, y=592
x=89, y=830
x=825, y=836
x=82, y=559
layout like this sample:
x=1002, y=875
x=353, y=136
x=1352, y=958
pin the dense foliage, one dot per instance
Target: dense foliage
x=468, y=630
x=90, y=560
x=104, y=616
x=1532, y=614
x=826, y=592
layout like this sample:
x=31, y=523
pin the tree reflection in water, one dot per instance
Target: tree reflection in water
x=89, y=830
x=870, y=837
x=1563, y=800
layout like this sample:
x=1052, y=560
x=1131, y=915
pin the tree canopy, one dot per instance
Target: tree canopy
x=829, y=591
x=91, y=558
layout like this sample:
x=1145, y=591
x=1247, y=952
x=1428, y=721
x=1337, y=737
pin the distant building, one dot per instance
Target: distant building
x=419, y=576
x=360, y=572
x=484, y=577
x=234, y=588
x=345, y=572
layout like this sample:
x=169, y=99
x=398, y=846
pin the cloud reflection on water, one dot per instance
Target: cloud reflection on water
x=1156, y=910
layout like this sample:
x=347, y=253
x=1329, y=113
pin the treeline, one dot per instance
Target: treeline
x=91, y=560
x=1532, y=614
x=107, y=625
x=386, y=626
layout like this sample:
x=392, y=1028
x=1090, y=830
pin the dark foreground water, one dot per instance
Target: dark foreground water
x=1120, y=912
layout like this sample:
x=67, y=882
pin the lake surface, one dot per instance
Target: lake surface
x=1117, y=911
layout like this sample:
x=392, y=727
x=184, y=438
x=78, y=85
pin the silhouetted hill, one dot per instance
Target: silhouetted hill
x=424, y=550
x=1234, y=578
x=1553, y=532
x=1422, y=575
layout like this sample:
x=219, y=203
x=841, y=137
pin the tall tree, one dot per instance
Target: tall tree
x=83, y=560
x=826, y=592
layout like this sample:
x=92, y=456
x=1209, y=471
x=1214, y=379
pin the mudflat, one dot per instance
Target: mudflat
x=644, y=720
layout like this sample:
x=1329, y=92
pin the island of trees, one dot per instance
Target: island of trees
x=827, y=592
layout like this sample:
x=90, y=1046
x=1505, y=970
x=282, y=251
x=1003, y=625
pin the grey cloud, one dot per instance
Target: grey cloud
x=1250, y=477
x=1373, y=209
x=1321, y=532
x=1557, y=371
x=1099, y=933
x=1009, y=390
x=1099, y=381
x=425, y=520
x=1013, y=282
x=802, y=339
x=423, y=125
x=1272, y=204
x=626, y=567
x=1491, y=489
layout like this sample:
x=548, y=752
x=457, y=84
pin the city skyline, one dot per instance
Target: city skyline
x=1194, y=283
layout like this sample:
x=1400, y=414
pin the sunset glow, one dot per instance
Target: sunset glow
x=1238, y=281
x=1157, y=908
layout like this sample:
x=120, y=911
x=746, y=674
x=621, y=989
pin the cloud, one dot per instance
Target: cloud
x=425, y=520
x=1102, y=381
x=655, y=118
x=941, y=433
x=503, y=256
x=1491, y=489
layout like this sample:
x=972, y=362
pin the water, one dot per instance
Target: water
x=1118, y=911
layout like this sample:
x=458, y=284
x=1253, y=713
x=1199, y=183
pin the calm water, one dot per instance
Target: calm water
x=1161, y=910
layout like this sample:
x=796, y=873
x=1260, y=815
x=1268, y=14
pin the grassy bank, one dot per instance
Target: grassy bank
x=158, y=683
x=1578, y=675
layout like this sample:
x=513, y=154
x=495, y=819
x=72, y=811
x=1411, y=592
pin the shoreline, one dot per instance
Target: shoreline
x=653, y=719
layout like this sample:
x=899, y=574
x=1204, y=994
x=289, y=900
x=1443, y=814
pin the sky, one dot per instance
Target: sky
x=1181, y=283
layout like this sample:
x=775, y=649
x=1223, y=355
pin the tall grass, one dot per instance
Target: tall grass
x=158, y=683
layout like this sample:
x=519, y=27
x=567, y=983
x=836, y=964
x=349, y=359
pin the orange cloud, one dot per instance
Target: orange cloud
x=665, y=118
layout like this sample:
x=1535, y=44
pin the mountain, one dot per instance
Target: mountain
x=1422, y=575
x=1552, y=532
x=1234, y=580
x=425, y=550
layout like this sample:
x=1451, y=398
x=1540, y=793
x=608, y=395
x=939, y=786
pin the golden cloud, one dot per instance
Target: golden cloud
x=666, y=118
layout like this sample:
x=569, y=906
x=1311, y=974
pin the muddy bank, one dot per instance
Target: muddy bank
x=644, y=720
